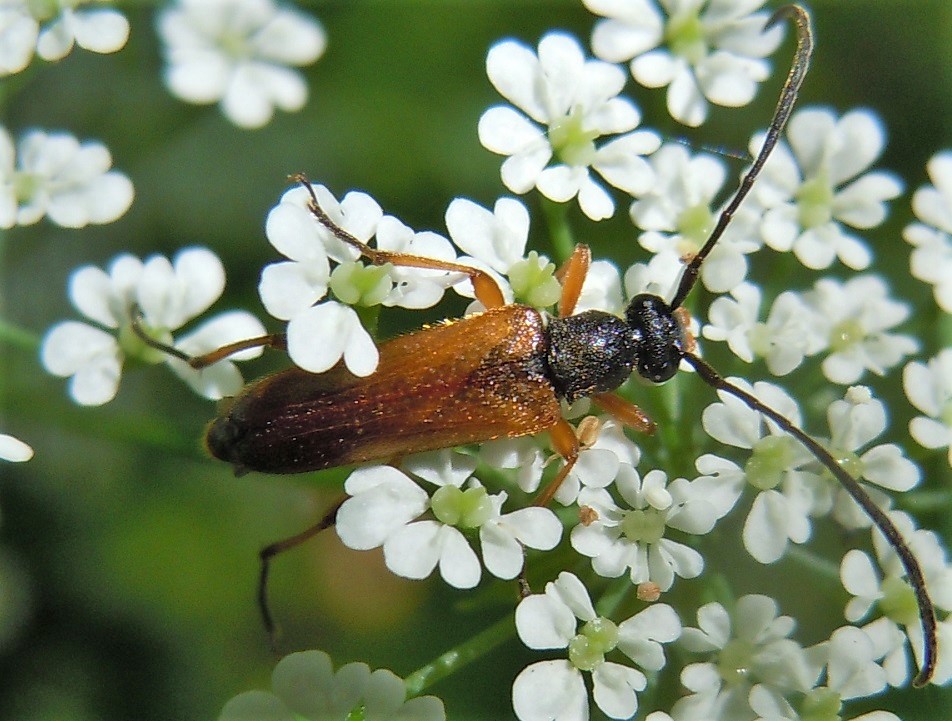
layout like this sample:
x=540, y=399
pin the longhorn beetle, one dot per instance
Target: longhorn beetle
x=501, y=373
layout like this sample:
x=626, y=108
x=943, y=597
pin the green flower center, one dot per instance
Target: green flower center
x=533, y=281
x=898, y=603
x=465, y=509
x=945, y=415
x=358, y=284
x=694, y=224
x=133, y=346
x=772, y=456
x=43, y=10
x=588, y=648
x=846, y=334
x=735, y=662
x=759, y=337
x=26, y=185
x=644, y=526
x=821, y=704
x=571, y=142
x=849, y=461
x=685, y=36
x=815, y=202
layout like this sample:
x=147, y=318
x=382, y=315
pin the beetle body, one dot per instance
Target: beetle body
x=496, y=374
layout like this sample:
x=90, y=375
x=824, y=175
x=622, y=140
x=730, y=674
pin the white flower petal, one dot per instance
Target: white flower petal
x=382, y=500
x=320, y=336
x=459, y=565
x=413, y=551
x=550, y=691
x=614, y=689
x=101, y=31
x=14, y=450
x=543, y=622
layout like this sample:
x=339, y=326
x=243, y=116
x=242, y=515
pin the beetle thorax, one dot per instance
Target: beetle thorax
x=595, y=352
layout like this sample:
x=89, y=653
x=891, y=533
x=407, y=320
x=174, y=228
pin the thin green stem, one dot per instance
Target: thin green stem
x=616, y=592
x=944, y=331
x=18, y=337
x=927, y=501
x=456, y=658
x=814, y=563
x=556, y=216
x=369, y=318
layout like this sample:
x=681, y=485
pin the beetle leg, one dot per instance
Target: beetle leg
x=272, y=550
x=272, y=340
x=625, y=412
x=565, y=443
x=572, y=276
x=485, y=287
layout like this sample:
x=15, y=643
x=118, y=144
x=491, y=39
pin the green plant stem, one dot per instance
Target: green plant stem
x=18, y=337
x=617, y=592
x=816, y=564
x=456, y=658
x=556, y=216
x=927, y=501
x=369, y=318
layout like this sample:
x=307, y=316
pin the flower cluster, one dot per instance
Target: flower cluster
x=306, y=686
x=55, y=175
x=237, y=53
x=50, y=29
x=165, y=296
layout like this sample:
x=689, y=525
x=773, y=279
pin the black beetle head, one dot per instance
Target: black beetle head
x=659, y=336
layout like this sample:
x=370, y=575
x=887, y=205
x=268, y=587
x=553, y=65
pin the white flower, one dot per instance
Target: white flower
x=169, y=295
x=632, y=536
x=556, y=689
x=413, y=288
x=658, y=276
x=306, y=687
x=99, y=29
x=237, y=53
x=495, y=241
x=599, y=463
x=702, y=50
x=320, y=336
x=852, y=671
x=18, y=33
x=14, y=450
x=931, y=260
x=929, y=388
x=524, y=455
x=787, y=493
x=855, y=317
x=602, y=289
x=53, y=174
x=321, y=332
x=676, y=216
x=812, y=193
x=782, y=340
x=749, y=649
x=854, y=422
x=385, y=506
x=576, y=100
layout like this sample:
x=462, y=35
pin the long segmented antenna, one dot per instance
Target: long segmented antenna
x=852, y=486
x=788, y=96
x=710, y=376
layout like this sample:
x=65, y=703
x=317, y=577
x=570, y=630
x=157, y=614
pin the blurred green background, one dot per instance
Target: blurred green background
x=127, y=558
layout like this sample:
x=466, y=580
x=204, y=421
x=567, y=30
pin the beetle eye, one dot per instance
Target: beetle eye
x=660, y=340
